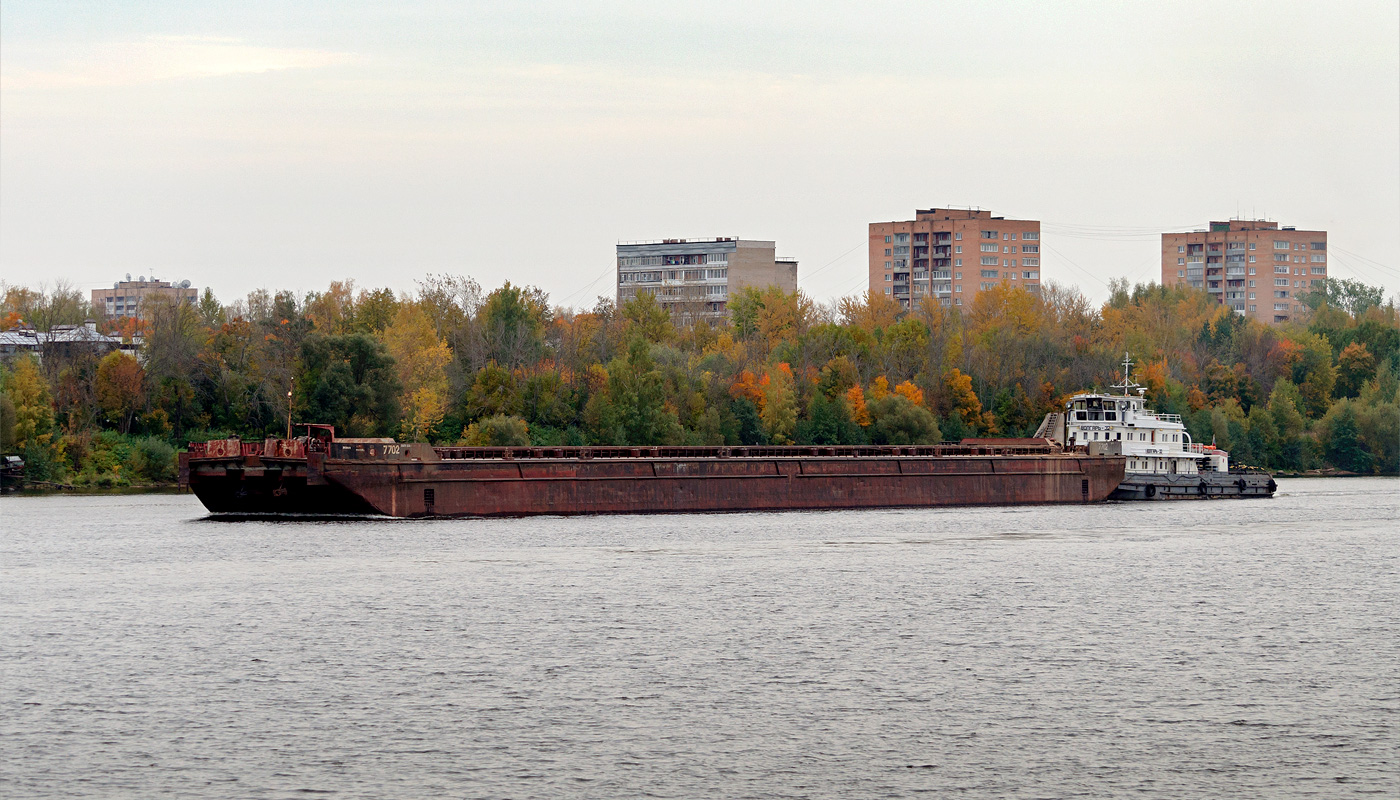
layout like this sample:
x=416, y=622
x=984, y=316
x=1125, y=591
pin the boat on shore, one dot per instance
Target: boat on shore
x=1162, y=461
x=321, y=474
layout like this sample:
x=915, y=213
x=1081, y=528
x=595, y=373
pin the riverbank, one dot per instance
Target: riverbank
x=49, y=488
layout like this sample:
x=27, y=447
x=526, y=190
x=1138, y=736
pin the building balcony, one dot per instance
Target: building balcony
x=941, y=275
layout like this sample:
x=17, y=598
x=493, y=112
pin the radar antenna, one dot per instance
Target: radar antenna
x=1128, y=386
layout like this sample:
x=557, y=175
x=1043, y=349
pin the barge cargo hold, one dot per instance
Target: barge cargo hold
x=379, y=476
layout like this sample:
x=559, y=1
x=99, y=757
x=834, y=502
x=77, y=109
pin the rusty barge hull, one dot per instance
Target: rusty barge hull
x=762, y=484
x=415, y=480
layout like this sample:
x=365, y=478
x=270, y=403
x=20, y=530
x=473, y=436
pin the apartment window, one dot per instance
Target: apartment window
x=1319, y=270
x=1319, y=245
x=990, y=248
x=1030, y=248
x=1030, y=262
x=1009, y=249
x=990, y=235
x=1251, y=259
x=714, y=274
x=1252, y=244
x=1180, y=262
x=1316, y=283
x=1251, y=295
x=987, y=286
x=959, y=275
x=1281, y=270
x=957, y=301
x=887, y=265
x=1282, y=245
x=888, y=253
x=1005, y=236
x=1253, y=307
x=887, y=240
x=1280, y=294
x=958, y=236
x=887, y=277
x=1031, y=276
x=957, y=262
x=991, y=261
x=1251, y=284
x=1318, y=259
x=1280, y=281
x=958, y=288
x=990, y=273
x=1031, y=235
x=901, y=238
x=957, y=248
x=1181, y=248
x=1280, y=306
x=887, y=290
x=901, y=249
x=1181, y=273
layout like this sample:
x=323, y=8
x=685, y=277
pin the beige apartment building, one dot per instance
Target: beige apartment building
x=126, y=298
x=694, y=278
x=951, y=254
x=1253, y=266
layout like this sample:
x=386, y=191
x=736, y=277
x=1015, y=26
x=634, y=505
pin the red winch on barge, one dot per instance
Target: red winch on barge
x=321, y=474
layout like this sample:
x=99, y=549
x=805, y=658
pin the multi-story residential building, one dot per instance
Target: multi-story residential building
x=695, y=278
x=951, y=254
x=126, y=298
x=1255, y=267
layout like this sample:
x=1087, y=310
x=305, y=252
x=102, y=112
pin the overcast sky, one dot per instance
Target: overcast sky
x=287, y=144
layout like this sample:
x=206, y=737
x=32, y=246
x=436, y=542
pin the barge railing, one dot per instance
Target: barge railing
x=754, y=451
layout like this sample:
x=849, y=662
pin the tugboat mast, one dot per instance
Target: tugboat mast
x=1128, y=386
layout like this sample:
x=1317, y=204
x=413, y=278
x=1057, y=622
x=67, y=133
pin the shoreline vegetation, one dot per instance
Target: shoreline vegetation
x=452, y=364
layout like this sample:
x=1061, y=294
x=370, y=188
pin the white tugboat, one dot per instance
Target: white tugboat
x=1163, y=462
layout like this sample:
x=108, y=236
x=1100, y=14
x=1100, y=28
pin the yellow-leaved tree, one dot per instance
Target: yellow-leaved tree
x=421, y=359
x=779, y=412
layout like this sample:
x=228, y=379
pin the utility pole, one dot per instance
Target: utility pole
x=290, y=386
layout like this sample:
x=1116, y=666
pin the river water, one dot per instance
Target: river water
x=1172, y=650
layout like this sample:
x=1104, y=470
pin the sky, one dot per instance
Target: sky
x=285, y=145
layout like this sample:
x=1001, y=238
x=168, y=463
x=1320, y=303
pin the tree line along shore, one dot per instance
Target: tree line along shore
x=451, y=363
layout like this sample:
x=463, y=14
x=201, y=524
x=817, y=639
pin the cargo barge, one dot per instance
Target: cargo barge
x=320, y=474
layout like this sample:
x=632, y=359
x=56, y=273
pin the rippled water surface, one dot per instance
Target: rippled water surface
x=1209, y=649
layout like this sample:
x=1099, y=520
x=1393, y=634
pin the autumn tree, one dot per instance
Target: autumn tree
x=871, y=312
x=121, y=390
x=779, y=405
x=420, y=358
x=643, y=316
x=1355, y=366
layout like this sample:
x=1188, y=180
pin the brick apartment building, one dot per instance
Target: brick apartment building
x=694, y=278
x=126, y=298
x=1255, y=267
x=952, y=254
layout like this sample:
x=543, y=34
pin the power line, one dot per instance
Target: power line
x=1091, y=275
x=834, y=260
x=1385, y=267
x=587, y=286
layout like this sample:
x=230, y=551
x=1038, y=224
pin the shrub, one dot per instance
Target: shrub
x=501, y=430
